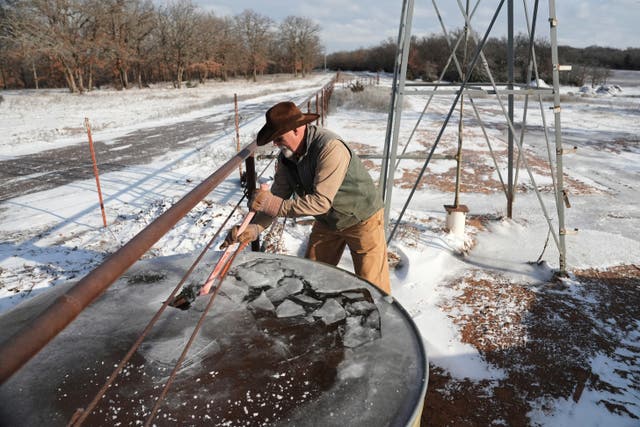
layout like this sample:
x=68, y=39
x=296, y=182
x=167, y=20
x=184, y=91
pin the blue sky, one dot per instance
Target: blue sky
x=350, y=24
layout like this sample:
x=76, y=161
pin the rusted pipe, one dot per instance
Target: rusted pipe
x=27, y=342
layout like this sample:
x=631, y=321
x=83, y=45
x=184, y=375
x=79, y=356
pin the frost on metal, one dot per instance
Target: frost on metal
x=286, y=342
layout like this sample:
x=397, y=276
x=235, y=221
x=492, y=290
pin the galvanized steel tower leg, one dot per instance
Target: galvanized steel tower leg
x=510, y=80
x=553, y=23
x=395, y=112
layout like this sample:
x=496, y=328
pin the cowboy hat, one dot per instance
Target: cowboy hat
x=281, y=118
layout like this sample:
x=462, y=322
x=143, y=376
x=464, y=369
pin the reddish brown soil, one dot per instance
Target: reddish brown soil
x=543, y=338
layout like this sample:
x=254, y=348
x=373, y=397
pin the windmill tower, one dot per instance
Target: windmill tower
x=463, y=94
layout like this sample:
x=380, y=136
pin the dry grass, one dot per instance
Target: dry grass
x=543, y=338
x=372, y=98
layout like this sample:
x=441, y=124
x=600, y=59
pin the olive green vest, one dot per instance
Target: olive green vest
x=357, y=198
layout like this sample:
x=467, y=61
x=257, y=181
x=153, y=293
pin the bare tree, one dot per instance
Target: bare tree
x=62, y=29
x=144, y=23
x=82, y=43
x=208, y=26
x=8, y=43
x=255, y=32
x=178, y=37
x=230, y=51
x=301, y=43
x=125, y=23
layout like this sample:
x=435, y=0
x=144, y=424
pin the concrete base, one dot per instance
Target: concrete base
x=456, y=216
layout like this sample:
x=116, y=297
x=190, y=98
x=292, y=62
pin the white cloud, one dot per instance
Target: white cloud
x=363, y=23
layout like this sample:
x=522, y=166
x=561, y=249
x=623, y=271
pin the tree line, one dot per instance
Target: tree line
x=429, y=59
x=82, y=44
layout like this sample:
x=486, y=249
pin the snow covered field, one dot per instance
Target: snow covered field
x=50, y=237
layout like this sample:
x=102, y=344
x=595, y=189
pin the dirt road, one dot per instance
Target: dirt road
x=52, y=168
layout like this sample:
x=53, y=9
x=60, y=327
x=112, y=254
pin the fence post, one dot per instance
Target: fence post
x=250, y=164
x=322, y=107
x=95, y=170
x=235, y=102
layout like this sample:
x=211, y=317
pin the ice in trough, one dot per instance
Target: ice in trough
x=287, y=342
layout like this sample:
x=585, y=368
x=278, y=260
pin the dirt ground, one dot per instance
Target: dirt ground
x=563, y=331
x=543, y=337
x=51, y=168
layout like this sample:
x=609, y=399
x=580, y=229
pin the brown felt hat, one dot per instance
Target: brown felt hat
x=281, y=118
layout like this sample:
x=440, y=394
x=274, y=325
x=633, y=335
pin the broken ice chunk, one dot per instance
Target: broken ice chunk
x=234, y=292
x=266, y=268
x=357, y=334
x=261, y=303
x=293, y=283
x=361, y=307
x=353, y=296
x=330, y=312
x=254, y=279
x=334, y=287
x=306, y=300
x=373, y=320
x=287, y=286
x=289, y=309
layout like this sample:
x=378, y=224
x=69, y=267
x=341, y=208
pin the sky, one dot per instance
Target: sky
x=349, y=25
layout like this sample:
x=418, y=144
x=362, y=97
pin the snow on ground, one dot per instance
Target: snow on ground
x=30, y=123
x=56, y=235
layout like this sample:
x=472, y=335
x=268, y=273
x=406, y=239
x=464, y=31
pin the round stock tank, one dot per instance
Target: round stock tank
x=287, y=342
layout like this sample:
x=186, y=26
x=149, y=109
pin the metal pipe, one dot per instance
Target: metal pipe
x=382, y=182
x=410, y=156
x=456, y=200
x=391, y=147
x=23, y=345
x=553, y=30
x=531, y=63
x=481, y=92
x=510, y=79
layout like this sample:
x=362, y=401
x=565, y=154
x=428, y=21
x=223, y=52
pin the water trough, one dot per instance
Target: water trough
x=288, y=342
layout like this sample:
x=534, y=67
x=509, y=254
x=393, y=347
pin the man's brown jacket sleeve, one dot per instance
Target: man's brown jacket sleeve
x=332, y=165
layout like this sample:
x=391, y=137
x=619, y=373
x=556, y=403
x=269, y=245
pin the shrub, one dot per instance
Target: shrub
x=356, y=87
x=371, y=98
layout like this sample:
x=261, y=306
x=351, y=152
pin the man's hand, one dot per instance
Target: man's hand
x=249, y=234
x=264, y=201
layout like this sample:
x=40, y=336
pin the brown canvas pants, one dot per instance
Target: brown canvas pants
x=367, y=244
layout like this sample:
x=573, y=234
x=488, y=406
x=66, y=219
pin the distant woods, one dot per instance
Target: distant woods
x=82, y=44
x=429, y=59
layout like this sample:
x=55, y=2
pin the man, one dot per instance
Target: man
x=331, y=184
